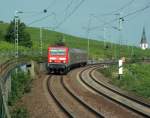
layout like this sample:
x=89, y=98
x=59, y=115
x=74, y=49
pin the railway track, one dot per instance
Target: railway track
x=79, y=98
x=106, y=107
x=116, y=90
x=102, y=89
x=51, y=92
x=71, y=105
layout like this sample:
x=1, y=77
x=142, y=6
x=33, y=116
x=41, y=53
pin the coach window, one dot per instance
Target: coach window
x=57, y=52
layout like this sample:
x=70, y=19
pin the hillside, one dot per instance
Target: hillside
x=97, y=49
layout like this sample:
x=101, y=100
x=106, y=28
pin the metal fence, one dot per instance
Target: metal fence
x=22, y=53
x=4, y=69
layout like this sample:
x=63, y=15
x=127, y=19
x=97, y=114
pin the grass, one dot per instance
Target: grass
x=97, y=49
x=136, y=78
x=20, y=112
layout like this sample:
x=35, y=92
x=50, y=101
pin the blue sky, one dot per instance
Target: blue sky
x=77, y=17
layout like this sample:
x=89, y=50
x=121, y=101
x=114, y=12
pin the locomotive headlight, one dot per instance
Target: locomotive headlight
x=62, y=58
x=53, y=58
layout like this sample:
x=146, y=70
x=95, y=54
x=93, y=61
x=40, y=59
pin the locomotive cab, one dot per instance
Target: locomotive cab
x=57, y=59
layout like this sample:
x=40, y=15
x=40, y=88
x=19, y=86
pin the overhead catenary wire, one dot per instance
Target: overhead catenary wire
x=29, y=14
x=37, y=13
x=68, y=6
x=121, y=8
x=110, y=25
x=43, y=18
x=139, y=10
x=64, y=11
x=51, y=4
x=51, y=14
x=127, y=15
x=70, y=14
x=47, y=8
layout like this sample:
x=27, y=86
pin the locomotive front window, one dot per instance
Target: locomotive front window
x=57, y=52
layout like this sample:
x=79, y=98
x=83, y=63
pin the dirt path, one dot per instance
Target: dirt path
x=38, y=102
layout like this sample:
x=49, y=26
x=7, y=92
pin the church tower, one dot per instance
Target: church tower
x=143, y=43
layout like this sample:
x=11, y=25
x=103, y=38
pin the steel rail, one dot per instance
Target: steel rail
x=81, y=101
x=69, y=114
x=106, y=96
x=117, y=91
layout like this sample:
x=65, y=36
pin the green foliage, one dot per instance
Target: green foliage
x=10, y=36
x=1, y=21
x=20, y=112
x=23, y=36
x=110, y=71
x=136, y=78
x=21, y=83
x=59, y=41
x=97, y=48
x=1, y=35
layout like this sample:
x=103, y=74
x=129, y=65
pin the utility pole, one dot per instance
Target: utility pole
x=104, y=36
x=41, y=39
x=16, y=31
x=41, y=42
x=88, y=32
x=64, y=40
x=121, y=19
x=132, y=51
x=16, y=34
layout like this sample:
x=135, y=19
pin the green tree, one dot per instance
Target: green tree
x=59, y=41
x=23, y=36
x=1, y=35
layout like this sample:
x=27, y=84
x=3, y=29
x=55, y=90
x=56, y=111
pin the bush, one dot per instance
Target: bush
x=23, y=36
x=21, y=83
x=135, y=78
x=20, y=112
x=1, y=35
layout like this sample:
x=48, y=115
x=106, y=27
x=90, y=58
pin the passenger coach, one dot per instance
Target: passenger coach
x=61, y=59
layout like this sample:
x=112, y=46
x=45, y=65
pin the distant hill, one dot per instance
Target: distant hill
x=97, y=48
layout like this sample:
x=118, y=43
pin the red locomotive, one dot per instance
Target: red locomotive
x=61, y=59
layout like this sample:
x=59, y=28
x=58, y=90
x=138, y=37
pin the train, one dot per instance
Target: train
x=62, y=59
